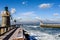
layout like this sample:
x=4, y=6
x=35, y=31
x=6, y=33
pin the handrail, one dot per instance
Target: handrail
x=4, y=30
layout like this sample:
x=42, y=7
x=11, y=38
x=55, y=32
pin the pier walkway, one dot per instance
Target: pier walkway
x=14, y=34
x=18, y=34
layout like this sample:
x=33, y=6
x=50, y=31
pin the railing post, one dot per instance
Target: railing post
x=0, y=31
x=6, y=29
x=3, y=30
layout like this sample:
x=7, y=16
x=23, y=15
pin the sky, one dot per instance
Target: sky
x=32, y=10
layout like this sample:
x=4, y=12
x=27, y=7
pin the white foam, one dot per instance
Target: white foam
x=43, y=36
x=39, y=35
x=33, y=26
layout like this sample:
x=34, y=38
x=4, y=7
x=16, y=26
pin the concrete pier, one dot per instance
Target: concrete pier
x=18, y=35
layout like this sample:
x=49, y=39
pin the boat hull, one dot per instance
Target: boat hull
x=50, y=26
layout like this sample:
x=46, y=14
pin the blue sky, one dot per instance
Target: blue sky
x=32, y=10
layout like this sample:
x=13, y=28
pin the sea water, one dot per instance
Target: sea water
x=38, y=33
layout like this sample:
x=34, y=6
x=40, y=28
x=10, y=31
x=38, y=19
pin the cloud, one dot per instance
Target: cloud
x=32, y=13
x=1, y=12
x=56, y=14
x=37, y=18
x=23, y=3
x=56, y=20
x=13, y=10
x=45, y=5
x=28, y=16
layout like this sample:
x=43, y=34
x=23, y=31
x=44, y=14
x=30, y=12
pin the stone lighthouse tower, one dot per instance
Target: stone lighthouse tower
x=6, y=18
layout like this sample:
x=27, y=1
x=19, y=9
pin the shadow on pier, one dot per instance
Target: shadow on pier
x=28, y=37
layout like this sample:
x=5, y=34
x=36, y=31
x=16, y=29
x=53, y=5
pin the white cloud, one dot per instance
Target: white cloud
x=23, y=3
x=32, y=13
x=1, y=12
x=13, y=10
x=37, y=18
x=45, y=5
x=54, y=20
x=28, y=16
x=56, y=14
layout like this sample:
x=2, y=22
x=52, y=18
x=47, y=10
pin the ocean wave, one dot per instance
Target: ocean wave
x=38, y=33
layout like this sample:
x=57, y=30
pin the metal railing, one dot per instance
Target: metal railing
x=4, y=30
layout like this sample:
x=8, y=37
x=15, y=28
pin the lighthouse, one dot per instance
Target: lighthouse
x=6, y=18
